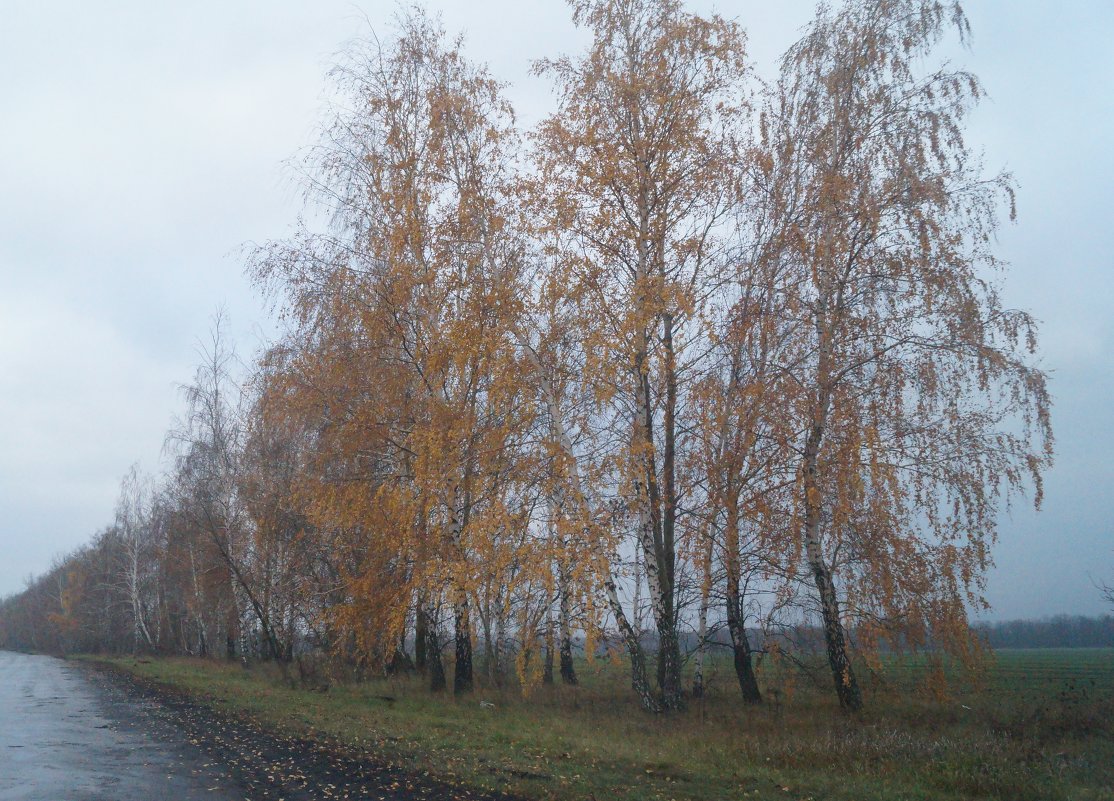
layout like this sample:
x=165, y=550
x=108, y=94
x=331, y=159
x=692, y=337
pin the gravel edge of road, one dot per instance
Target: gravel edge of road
x=272, y=764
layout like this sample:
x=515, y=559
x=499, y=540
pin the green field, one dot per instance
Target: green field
x=1040, y=725
x=1058, y=667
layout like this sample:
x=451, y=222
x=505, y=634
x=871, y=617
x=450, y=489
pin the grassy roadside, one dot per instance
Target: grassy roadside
x=1038, y=730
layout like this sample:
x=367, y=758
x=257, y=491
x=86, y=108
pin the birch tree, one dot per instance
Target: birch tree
x=133, y=518
x=919, y=408
x=637, y=163
x=415, y=283
x=207, y=483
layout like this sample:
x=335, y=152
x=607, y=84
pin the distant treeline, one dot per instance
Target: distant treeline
x=1061, y=631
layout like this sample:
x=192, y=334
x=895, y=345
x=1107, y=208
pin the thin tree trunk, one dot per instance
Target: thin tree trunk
x=672, y=687
x=434, y=663
x=497, y=646
x=658, y=554
x=202, y=635
x=462, y=624
x=668, y=656
x=568, y=670
x=550, y=642
x=140, y=627
x=630, y=637
x=740, y=645
x=462, y=668
x=847, y=688
x=489, y=656
x=736, y=619
x=639, y=683
x=636, y=603
x=421, y=634
x=702, y=624
x=239, y=585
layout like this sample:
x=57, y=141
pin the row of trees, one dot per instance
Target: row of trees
x=1060, y=631
x=696, y=353
x=194, y=565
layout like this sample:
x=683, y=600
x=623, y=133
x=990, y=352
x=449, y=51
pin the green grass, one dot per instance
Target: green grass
x=1040, y=727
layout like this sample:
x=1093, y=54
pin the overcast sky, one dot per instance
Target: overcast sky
x=141, y=145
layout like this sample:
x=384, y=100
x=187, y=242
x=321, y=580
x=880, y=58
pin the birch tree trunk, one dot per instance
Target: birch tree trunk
x=421, y=633
x=639, y=683
x=582, y=512
x=199, y=606
x=434, y=661
x=462, y=667
x=846, y=686
x=658, y=553
x=140, y=626
x=547, y=668
x=462, y=623
x=736, y=619
x=568, y=670
x=702, y=623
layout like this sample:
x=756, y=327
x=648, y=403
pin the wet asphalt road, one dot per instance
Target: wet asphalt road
x=66, y=736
